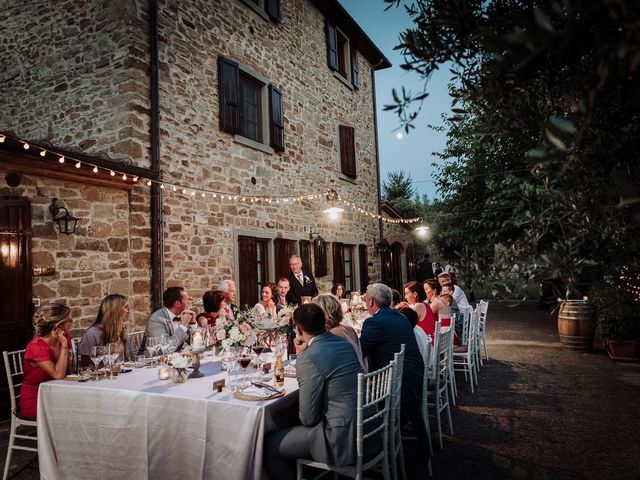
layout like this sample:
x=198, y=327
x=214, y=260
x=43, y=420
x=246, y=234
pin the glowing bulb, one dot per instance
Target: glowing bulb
x=124, y=176
x=184, y=191
x=193, y=192
x=26, y=146
x=42, y=153
x=78, y=165
x=162, y=186
x=112, y=173
x=174, y=188
x=148, y=183
x=2, y=137
x=95, y=170
x=135, y=179
x=61, y=159
x=202, y=195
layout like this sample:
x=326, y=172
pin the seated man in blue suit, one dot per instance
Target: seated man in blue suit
x=327, y=370
x=382, y=336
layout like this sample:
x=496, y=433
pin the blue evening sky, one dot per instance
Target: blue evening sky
x=413, y=152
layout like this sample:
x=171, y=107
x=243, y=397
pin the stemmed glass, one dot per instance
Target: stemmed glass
x=244, y=360
x=258, y=348
x=115, y=350
x=97, y=355
x=153, y=344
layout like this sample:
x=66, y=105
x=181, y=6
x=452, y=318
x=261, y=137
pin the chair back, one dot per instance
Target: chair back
x=466, y=318
x=75, y=355
x=443, y=353
x=13, y=364
x=434, y=350
x=483, y=306
x=372, y=412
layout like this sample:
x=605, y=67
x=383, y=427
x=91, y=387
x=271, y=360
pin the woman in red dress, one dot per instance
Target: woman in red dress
x=214, y=307
x=439, y=309
x=415, y=295
x=46, y=356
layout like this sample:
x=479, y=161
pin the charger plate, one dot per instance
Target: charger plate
x=257, y=397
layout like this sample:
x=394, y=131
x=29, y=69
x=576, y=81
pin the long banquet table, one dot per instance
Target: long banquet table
x=138, y=427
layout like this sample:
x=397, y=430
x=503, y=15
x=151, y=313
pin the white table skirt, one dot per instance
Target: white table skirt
x=138, y=427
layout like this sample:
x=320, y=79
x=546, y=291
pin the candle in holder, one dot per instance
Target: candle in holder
x=196, y=341
x=356, y=299
x=164, y=373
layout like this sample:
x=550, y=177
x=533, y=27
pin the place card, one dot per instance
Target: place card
x=266, y=367
x=218, y=385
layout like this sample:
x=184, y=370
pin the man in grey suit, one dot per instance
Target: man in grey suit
x=173, y=319
x=327, y=370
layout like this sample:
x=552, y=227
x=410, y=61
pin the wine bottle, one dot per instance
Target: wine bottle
x=278, y=372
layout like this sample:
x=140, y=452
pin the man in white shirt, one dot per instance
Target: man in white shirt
x=458, y=294
x=228, y=288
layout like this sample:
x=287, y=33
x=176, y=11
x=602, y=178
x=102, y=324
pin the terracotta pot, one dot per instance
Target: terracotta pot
x=625, y=351
x=576, y=325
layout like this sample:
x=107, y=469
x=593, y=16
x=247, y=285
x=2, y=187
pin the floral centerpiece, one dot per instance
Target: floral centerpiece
x=272, y=328
x=241, y=332
x=179, y=364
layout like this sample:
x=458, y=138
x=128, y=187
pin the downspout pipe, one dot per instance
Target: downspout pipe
x=375, y=131
x=157, y=220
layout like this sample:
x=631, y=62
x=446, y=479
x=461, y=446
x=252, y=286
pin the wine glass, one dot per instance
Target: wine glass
x=244, y=359
x=97, y=355
x=153, y=345
x=115, y=354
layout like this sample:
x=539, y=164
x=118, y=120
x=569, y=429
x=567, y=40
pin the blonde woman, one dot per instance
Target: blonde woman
x=108, y=327
x=47, y=356
x=333, y=313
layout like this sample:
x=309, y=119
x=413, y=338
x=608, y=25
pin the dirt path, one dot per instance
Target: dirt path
x=542, y=411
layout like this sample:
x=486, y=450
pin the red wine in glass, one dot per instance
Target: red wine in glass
x=244, y=361
x=258, y=350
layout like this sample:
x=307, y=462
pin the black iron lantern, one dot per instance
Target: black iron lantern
x=382, y=246
x=61, y=217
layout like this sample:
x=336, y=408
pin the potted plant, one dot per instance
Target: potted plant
x=617, y=319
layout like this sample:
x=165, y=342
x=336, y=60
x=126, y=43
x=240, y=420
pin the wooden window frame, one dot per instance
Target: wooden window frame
x=342, y=57
x=231, y=77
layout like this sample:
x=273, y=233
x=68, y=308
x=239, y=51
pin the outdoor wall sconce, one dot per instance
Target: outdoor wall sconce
x=334, y=210
x=65, y=221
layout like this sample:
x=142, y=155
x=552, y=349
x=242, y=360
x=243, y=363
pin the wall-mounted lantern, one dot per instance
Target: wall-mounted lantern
x=64, y=221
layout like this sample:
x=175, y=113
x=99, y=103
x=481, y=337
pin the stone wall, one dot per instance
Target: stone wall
x=76, y=74
x=102, y=257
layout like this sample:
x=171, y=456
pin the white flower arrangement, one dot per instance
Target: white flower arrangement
x=241, y=332
x=179, y=362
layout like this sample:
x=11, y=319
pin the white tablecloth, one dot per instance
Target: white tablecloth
x=138, y=427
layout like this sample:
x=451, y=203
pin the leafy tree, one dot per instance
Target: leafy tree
x=545, y=127
x=398, y=191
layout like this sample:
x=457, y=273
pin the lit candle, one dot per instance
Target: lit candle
x=164, y=373
x=196, y=342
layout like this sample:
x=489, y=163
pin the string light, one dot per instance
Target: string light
x=254, y=200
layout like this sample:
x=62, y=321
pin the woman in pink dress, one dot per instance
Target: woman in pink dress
x=46, y=356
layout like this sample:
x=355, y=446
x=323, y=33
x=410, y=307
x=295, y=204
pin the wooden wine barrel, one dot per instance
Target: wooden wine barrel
x=576, y=325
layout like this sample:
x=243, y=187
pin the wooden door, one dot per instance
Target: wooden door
x=247, y=260
x=364, y=267
x=281, y=252
x=396, y=267
x=16, y=311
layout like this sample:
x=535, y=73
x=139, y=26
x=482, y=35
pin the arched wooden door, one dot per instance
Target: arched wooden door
x=396, y=267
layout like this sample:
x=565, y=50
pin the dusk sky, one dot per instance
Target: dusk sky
x=411, y=153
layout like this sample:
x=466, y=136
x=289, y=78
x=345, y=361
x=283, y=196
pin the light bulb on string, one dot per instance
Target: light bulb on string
x=61, y=159
x=95, y=170
x=2, y=137
x=43, y=153
x=112, y=173
x=135, y=179
x=25, y=146
x=78, y=165
x=148, y=183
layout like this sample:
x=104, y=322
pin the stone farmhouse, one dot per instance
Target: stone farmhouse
x=193, y=141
